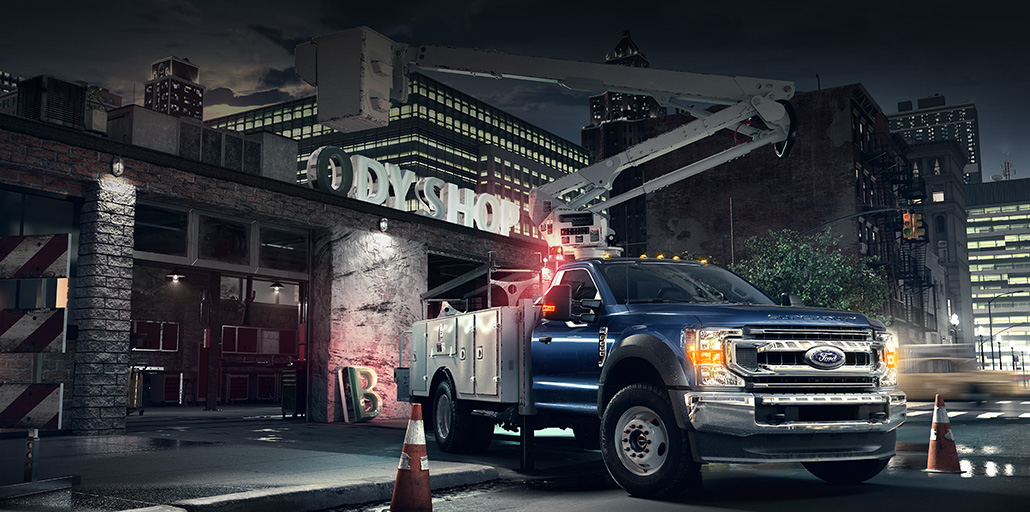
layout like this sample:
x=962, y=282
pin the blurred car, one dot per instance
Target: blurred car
x=962, y=380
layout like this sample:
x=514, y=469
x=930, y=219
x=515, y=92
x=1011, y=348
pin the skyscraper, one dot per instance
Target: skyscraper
x=999, y=261
x=173, y=88
x=934, y=120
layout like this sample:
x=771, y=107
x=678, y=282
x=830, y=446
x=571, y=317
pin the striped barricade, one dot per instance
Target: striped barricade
x=33, y=405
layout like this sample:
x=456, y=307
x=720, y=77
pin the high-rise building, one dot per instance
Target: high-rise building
x=934, y=120
x=998, y=228
x=939, y=168
x=173, y=88
x=617, y=122
x=439, y=132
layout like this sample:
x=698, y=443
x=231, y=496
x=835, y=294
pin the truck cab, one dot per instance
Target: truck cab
x=743, y=378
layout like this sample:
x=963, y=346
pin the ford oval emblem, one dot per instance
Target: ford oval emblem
x=825, y=357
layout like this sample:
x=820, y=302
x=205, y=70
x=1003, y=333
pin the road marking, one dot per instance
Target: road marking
x=1024, y=403
x=953, y=414
x=1004, y=402
x=917, y=413
x=989, y=415
x=1025, y=415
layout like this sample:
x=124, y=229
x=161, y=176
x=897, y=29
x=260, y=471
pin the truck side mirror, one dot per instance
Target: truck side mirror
x=558, y=303
x=789, y=299
x=593, y=305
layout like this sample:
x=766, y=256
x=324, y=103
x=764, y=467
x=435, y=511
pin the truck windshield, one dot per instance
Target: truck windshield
x=652, y=282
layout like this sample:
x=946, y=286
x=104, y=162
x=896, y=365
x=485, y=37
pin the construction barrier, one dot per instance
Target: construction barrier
x=411, y=492
x=943, y=454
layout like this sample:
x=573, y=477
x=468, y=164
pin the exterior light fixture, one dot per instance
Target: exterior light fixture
x=118, y=166
x=276, y=286
x=383, y=224
x=175, y=275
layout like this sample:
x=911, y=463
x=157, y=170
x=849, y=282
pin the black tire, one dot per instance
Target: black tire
x=846, y=472
x=455, y=428
x=645, y=451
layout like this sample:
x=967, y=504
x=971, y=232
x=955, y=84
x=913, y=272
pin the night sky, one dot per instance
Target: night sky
x=965, y=51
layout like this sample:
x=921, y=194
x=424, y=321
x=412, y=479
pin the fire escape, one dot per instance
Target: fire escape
x=902, y=259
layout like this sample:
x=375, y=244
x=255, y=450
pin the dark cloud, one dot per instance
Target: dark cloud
x=276, y=36
x=276, y=78
x=225, y=96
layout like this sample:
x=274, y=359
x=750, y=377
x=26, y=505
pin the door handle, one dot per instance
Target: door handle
x=546, y=339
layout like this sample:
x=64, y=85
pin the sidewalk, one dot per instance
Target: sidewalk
x=240, y=458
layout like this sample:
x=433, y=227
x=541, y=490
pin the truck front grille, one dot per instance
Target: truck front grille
x=774, y=357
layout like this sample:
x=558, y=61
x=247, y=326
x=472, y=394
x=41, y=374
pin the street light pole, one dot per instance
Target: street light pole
x=990, y=323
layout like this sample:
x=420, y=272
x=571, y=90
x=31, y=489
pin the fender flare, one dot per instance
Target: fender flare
x=660, y=356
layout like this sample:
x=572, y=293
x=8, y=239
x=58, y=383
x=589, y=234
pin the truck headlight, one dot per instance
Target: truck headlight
x=706, y=351
x=888, y=360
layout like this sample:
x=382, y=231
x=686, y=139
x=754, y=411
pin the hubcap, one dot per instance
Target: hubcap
x=443, y=417
x=643, y=442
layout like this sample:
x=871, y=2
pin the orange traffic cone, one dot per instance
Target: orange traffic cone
x=411, y=489
x=943, y=455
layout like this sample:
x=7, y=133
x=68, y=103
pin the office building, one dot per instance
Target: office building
x=934, y=120
x=439, y=132
x=173, y=88
x=998, y=228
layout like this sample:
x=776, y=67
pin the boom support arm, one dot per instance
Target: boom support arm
x=374, y=69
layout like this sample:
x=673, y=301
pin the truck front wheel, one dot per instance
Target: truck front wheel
x=645, y=452
x=455, y=428
x=846, y=471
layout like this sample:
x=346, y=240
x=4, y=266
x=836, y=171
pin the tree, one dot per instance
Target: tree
x=814, y=268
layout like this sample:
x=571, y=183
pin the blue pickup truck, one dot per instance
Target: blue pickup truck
x=665, y=365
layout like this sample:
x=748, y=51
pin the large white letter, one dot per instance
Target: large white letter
x=510, y=216
x=426, y=192
x=363, y=180
x=488, y=213
x=400, y=180
x=459, y=201
x=329, y=170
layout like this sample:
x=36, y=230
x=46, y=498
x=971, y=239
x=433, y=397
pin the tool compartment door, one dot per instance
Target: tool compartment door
x=462, y=370
x=419, y=380
x=487, y=347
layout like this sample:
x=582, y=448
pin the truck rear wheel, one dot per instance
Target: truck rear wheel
x=644, y=449
x=846, y=471
x=456, y=429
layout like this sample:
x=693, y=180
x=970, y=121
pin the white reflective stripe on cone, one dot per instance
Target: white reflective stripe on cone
x=415, y=433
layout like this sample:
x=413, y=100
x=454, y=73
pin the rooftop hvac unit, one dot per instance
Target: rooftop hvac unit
x=52, y=100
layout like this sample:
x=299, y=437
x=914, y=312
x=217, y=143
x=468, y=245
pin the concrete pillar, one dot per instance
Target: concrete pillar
x=103, y=304
x=365, y=292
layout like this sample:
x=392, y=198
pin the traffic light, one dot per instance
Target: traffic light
x=908, y=226
x=917, y=226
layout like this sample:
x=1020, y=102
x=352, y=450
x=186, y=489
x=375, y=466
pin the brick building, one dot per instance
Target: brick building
x=171, y=254
x=845, y=163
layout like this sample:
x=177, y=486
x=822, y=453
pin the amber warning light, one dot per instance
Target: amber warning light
x=549, y=308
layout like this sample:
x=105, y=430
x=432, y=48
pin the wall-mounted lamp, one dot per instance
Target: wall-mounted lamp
x=383, y=224
x=276, y=286
x=175, y=275
x=118, y=166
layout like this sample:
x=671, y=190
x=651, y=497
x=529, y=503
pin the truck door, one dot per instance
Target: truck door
x=565, y=354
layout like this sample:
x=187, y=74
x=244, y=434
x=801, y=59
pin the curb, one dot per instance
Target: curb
x=322, y=497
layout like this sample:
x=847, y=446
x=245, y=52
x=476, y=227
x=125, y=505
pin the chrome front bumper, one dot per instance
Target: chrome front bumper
x=798, y=427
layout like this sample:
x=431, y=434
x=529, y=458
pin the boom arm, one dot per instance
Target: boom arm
x=382, y=66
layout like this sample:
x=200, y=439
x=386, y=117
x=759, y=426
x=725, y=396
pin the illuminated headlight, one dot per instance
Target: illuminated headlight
x=706, y=351
x=888, y=360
